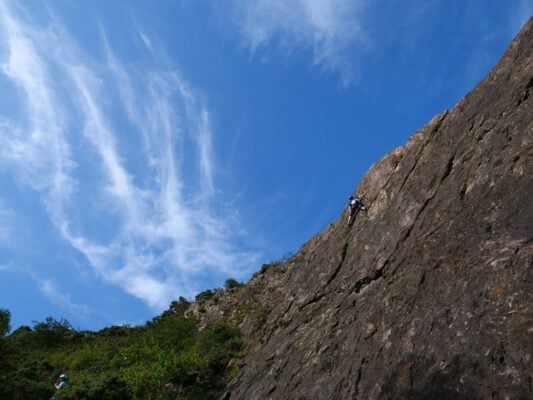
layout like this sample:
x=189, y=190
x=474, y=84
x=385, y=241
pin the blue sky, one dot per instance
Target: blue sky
x=150, y=150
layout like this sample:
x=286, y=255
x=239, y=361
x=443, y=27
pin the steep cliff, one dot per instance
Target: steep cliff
x=426, y=296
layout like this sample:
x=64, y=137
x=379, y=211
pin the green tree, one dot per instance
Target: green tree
x=179, y=307
x=170, y=357
x=5, y=319
x=52, y=332
x=204, y=296
x=232, y=284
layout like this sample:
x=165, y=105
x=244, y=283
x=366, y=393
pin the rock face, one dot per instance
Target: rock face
x=429, y=294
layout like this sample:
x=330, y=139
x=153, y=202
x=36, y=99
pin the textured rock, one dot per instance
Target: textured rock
x=428, y=295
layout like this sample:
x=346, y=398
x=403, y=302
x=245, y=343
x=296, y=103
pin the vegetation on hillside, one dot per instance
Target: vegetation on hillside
x=167, y=358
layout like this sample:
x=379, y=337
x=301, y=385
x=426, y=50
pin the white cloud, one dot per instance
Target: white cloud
x=7, y=222
x=157, y=198
x=146, y=40
x=5, y=267
x=64, y=300
x=330, y=29
x=38, y=150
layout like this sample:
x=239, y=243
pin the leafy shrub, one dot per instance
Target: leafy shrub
x=115, y=330
x=168, y=358
x=179, y=307
x=105, y=387
x=52, y=332
x=232, y=284
x=219, y=343
x=30, y=379
x=5, y=319
x=204, y=296
x=252, y=309
x=277, y=263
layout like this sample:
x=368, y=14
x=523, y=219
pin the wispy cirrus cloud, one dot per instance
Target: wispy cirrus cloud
x=122, y=157
x=341, y=33
x=5, y=267
x=57, y=296
x=331, y=29
x=7, y=220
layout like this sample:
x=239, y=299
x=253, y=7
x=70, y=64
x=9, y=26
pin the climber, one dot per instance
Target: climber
x=62, y=382
x=356, y=204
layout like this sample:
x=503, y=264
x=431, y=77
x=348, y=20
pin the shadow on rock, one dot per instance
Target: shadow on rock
x=422, y=379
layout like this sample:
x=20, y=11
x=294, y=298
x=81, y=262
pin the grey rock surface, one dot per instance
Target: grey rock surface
x=429, y=294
